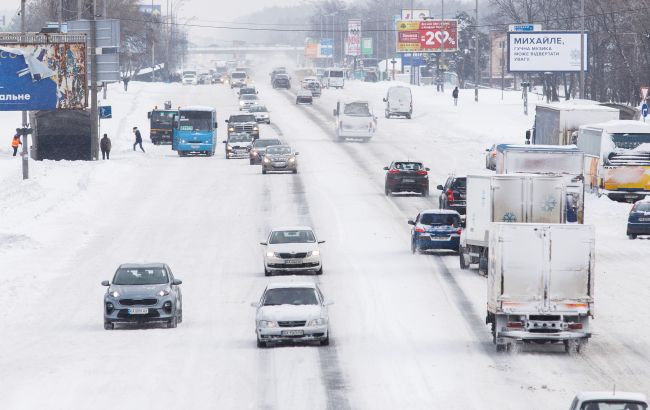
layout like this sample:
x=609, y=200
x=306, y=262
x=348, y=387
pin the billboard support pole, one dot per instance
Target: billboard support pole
x=582, y=49
x=25, y=153
x=476, y=69
x=94, y=115
x=442, y=48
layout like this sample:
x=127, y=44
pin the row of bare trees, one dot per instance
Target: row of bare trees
x=141, y=34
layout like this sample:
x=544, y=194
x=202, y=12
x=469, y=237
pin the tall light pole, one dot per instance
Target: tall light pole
x=25, y=153
x=582, y=49
x=477, y=73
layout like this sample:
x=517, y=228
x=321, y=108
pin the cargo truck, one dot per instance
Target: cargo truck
x=540, y=285
x=513, y=198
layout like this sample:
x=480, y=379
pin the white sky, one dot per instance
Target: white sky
x=225, y=10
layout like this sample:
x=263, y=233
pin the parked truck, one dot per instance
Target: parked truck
x=514, y=198
x=540, y=284
x=558, y=123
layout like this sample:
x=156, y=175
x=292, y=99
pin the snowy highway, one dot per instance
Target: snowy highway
x=408, y=331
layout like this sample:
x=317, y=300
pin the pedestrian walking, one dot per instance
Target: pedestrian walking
x=105, y=146
x=15, y=142
x=126, y=80
x=138, y=138
x=455, y=95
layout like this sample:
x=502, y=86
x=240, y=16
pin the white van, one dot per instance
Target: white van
x=399, y=101
x=333, y=77
x=354, y=119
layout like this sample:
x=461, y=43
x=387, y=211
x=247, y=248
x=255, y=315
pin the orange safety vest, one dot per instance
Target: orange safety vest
x=15, y=142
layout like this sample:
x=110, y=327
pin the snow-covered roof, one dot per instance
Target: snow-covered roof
x=578, y=105
x=534, y=147
x=440, y=211
x=303, y=284
x=142, y=265
x=621, y=126
x=292, y=228
x=197, y=108
x=608, y=395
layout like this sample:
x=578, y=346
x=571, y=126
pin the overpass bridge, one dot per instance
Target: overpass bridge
x=245, y=50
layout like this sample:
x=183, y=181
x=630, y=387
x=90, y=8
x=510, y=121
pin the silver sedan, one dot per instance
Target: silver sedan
x=280, y=158
x=289, y=312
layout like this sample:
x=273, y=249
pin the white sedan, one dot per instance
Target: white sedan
x=292, y=249
x=290, y=312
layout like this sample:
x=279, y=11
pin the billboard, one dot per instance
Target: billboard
x=311, y=48
x=353, y=44
x=420, y=14
x=427, y=36
x=326, y=48
x=553, y=51
x=366, y=46
x=43, y=76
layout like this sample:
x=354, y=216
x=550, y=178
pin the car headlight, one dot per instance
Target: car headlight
x=115, y=294
x=314, y=253
x=254, y=153
x=267, y=323
x=255, y=128
x=228, y=147
x=270, y=254
x=231, y=128
x=266, y=160
x=163, y=292
x=292, y=159
x=316, y=322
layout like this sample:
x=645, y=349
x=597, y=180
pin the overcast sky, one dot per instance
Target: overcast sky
x=225, y=10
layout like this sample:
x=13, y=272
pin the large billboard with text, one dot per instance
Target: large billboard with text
x=353, y=43
x=552, y=51
x=427, y=36
x=43, y=76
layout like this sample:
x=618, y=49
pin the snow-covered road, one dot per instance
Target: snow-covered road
x=407, y=331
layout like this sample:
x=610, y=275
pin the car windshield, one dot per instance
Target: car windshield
x=296, y=236
x=195, y=121
x=408, y=166
x=238, y=75
x=313, y=85
x=247, y=91
x=642, y=207
x=266, y=143
x=242, y=118
x=162, y=118
x=240, y=138
x=278, y=150
x=440, y=219
x=258, y=108
x=357, y=109
x=249, y=97
x=612, y=405
x=459, y=183
x=141, y=276
x=281, y=77
x=290, y=296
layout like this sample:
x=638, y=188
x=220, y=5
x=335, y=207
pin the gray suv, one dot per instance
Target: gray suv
x=143, y=293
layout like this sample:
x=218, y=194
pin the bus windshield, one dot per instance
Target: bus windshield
x=630, y=141
x=195, y=121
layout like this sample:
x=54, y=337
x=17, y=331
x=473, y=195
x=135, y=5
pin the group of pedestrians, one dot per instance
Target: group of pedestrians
x=104, y=144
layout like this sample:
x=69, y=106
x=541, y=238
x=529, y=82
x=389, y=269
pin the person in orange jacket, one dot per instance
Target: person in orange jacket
x=15, y=143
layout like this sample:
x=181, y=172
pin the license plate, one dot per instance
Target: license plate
x=644, y=219
x=425, y=235
x=194, y=146
x=280, y=164
x=293, y=261
x=441, y=238
x=138, y=311
x=408, y=181
x=292, y=333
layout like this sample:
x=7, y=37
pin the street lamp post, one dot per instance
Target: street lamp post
x=476, y=56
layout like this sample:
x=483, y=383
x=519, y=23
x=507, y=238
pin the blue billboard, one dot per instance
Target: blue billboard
x=326, y=48
x=42, y=77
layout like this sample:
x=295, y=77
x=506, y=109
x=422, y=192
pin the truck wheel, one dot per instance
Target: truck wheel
x=109, y=325
x=461, y=256
x=483, y=263
x=631, y=236
x=266, y=272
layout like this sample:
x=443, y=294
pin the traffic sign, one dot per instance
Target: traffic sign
x=105, y=112
x=644, y=110
x=525, y=27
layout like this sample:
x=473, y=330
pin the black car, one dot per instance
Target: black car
x=243, y=123
x=406, y=176
x=281, y=81
x=638, y=222
x=258, y=149
x=453, y=194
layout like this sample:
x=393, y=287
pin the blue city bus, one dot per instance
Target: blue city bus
x=195, y=131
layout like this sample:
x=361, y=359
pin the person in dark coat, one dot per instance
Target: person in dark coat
x=455, y=95
x=138, y=138
x=105, y=146
x=126, y=80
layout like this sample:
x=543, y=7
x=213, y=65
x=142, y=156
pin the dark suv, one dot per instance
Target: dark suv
x=281, y=81
x=243, y=123
x=453, y=194
x=406, y=176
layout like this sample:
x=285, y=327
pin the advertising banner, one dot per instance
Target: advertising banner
x=553, y=51
x=326, y=48
x=366, y=46
x=311, y=48
x=353, y=44
x=43, y=76
x=420, y=14
x=427, y=36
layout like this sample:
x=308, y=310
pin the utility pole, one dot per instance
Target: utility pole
x=153, y=45
x=79, y=9
x=25, y=153
x=413, y=66
x=94, y=115
x=582, y=49
x=442, y=46
x=60, y=14
x=477, y=73
x=104, y=84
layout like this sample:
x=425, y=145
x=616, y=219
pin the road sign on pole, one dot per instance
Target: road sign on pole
x=644, y=110
x=105, y=112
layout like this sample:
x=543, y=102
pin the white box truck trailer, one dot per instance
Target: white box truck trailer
x=558, y=123
x=540, y=283
x=507, y=198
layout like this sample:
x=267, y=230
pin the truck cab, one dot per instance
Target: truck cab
x=355, y=119
x=160, y=125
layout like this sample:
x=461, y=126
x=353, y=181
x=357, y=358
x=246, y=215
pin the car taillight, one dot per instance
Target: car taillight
x=459, y=231
x=393, y=171
x=575, y=326
x=516, y=325
x=450, y=194
x=421, y=172
x=419, y=230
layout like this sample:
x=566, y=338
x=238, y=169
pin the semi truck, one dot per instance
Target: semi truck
x=540, y=285
x=557, y=124
x=513, y=198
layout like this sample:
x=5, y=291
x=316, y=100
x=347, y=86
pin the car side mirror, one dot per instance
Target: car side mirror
x=263, y=243
x=227, y=121
x=321, y=241
x=225, y=142
x=439, y=187
x=106, y=283
x=386, y=168
x=411, y=222
x=177, y=282
x=216, y=125
x=427, y=169
x=255, y=304
x=384, y=99
x=296, y=153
